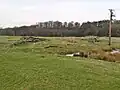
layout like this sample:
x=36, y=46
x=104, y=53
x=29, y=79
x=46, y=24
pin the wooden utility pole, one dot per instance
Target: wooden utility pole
x=110, y=24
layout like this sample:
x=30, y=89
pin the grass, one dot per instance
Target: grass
x=41, y=66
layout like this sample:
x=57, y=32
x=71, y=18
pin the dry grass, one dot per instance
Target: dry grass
x=41, y=67
x=105, y=55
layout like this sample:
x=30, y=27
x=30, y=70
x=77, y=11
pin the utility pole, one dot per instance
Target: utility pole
x=110, y=24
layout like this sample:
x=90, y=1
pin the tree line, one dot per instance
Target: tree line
x=57, y=28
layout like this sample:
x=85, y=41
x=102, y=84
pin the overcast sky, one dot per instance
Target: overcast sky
x=26, y=12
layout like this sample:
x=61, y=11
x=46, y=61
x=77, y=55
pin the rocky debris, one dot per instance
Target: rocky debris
x=111, y=56
x=27, y=39
x=93, y=39
x=51, y=46
x=79, y=54
x=116, y=51
x=32, y=39
x=70, y=55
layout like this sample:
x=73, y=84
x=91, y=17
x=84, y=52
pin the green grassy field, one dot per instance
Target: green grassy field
x=44, y=66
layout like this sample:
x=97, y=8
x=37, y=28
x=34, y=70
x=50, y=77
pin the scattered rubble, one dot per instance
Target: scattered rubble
x=27, y=39
x=93, y=39
x=116, y=51
x=112, y=56
x=70, y=55
x=51, y=46
x=79, y=54
x=32, y=39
